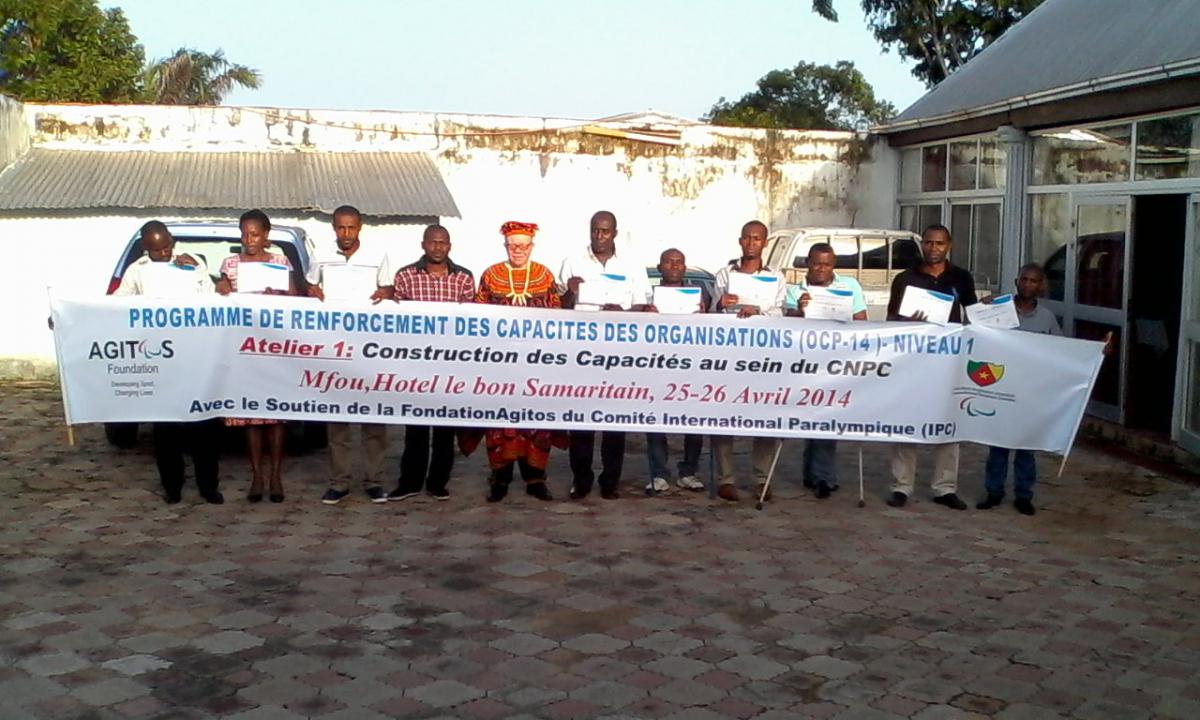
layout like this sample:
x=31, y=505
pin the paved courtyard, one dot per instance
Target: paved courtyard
x=115, y=605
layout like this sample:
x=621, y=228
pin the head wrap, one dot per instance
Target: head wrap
x=513, y=227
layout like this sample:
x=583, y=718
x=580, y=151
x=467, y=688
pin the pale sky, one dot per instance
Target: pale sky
x=556, y=58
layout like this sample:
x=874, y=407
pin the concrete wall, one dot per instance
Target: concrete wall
x=693, y=194
x=14, y=132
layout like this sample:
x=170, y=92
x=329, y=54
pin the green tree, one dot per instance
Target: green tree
x=67, y=51
x=809, y=97
x=192, y=77
x=940, y=35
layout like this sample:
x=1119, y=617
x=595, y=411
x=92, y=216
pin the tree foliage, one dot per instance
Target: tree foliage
x=67, y=51
x=191, y=77
x=940, y=35
x=809, y=97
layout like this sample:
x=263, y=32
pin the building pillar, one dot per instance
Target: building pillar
x=1013, y=242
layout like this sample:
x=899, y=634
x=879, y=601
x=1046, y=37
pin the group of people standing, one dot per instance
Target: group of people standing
x=429, y=452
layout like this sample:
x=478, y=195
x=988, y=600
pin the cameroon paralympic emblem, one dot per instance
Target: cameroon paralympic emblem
x=984, y=373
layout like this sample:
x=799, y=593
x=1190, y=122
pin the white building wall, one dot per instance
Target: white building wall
x=694, y=195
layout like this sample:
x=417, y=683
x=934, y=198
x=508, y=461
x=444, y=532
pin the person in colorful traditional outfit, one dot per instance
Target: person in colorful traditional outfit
x=519, y=282
x=256, y=229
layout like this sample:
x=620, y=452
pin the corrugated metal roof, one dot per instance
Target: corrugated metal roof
x=1064, y=43
x=377, y=183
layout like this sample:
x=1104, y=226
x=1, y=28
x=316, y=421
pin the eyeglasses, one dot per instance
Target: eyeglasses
x=520, y=247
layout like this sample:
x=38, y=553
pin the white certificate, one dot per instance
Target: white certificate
x=1000, y=313
x=678, y=300
x=256, y=277
x=168, y=280
x=604, y=289
x=350, y=283
x=826, y=303
x=935, y=305
x=757, y=290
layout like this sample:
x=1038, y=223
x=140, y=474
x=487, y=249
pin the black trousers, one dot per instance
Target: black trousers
x=530, y=474
x=612, y=458
x=417, y=467
x=202, y=439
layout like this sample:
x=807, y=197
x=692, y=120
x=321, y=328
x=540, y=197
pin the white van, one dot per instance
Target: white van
x=873, y=257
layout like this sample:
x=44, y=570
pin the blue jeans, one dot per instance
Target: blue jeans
x=820, y=463
x=1024, y=472
x=656, y=453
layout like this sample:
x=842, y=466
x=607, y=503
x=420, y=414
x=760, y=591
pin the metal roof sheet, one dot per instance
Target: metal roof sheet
x=1065, y=43
x=377, y=183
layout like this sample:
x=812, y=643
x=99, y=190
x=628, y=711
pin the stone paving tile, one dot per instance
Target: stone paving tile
x=113, y=605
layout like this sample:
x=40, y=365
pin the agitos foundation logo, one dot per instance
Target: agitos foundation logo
x=130, y=350
x=976, y=401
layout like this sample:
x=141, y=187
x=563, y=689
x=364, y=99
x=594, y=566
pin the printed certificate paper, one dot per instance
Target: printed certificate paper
x=349, y=283
x=168, y=280
x=757, y=290
x=826, y=303
x=1000, y=313
x=257, y=277
x=935, y=305
x=677, y=300
x=604, y=289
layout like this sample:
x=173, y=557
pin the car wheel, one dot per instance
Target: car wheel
x=122, y=435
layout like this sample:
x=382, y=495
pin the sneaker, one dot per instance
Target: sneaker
x=333, y=497
x=657, y=485
x=989, y=502
x=689, y=482
x=377, y=494
x=496, y=492
x=1024, y=506
x=539, y=491
x=728, y=492
x=399, y=494
x=951, y=501
x=214, y=498
x=823, y=490
x=577, y=494
x=898, y=499
x=442, y=494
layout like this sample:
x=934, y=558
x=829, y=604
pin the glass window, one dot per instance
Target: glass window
x=960, y=232
x=1169, y=148
x=985, y=246
x=1049, y=229
x=847, y=253
x=910, y=170
x=928, y=215
x=874, y=253
x=777, y=254
x=1100, y=255
x=991, y=165
x=908, y=218
x=1108, y=381
x=933, y=168
x=964, y=162
x=1082, y=155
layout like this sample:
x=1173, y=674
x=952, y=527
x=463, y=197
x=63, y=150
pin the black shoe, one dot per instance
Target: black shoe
x=898, y=499
x=577, y=494
x=275, y=498
x=809, y=484
x=539, y=491
x=951, y=501
x=442, y=494
x=823, y=490
x=989, y=502
x=1024, y=506
x=254, y=497
x=214, y=498
x=173, y=497
x=610, y=494
x=496, y=492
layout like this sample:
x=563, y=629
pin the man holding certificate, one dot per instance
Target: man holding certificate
x=349, y=271
x=601, y=280
x=824, y=295
x=747, y=287
x=933, y=291
x=674, y=295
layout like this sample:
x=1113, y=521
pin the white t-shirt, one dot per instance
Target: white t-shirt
x=192, y=280
x=371, y=255
x=586, y=266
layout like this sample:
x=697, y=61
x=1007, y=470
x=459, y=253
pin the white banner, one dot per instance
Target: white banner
x=142, y=359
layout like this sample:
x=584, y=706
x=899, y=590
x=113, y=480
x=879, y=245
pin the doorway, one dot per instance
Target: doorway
x=1159, y=225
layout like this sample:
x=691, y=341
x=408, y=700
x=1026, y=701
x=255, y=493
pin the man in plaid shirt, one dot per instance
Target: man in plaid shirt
x=433, y=278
